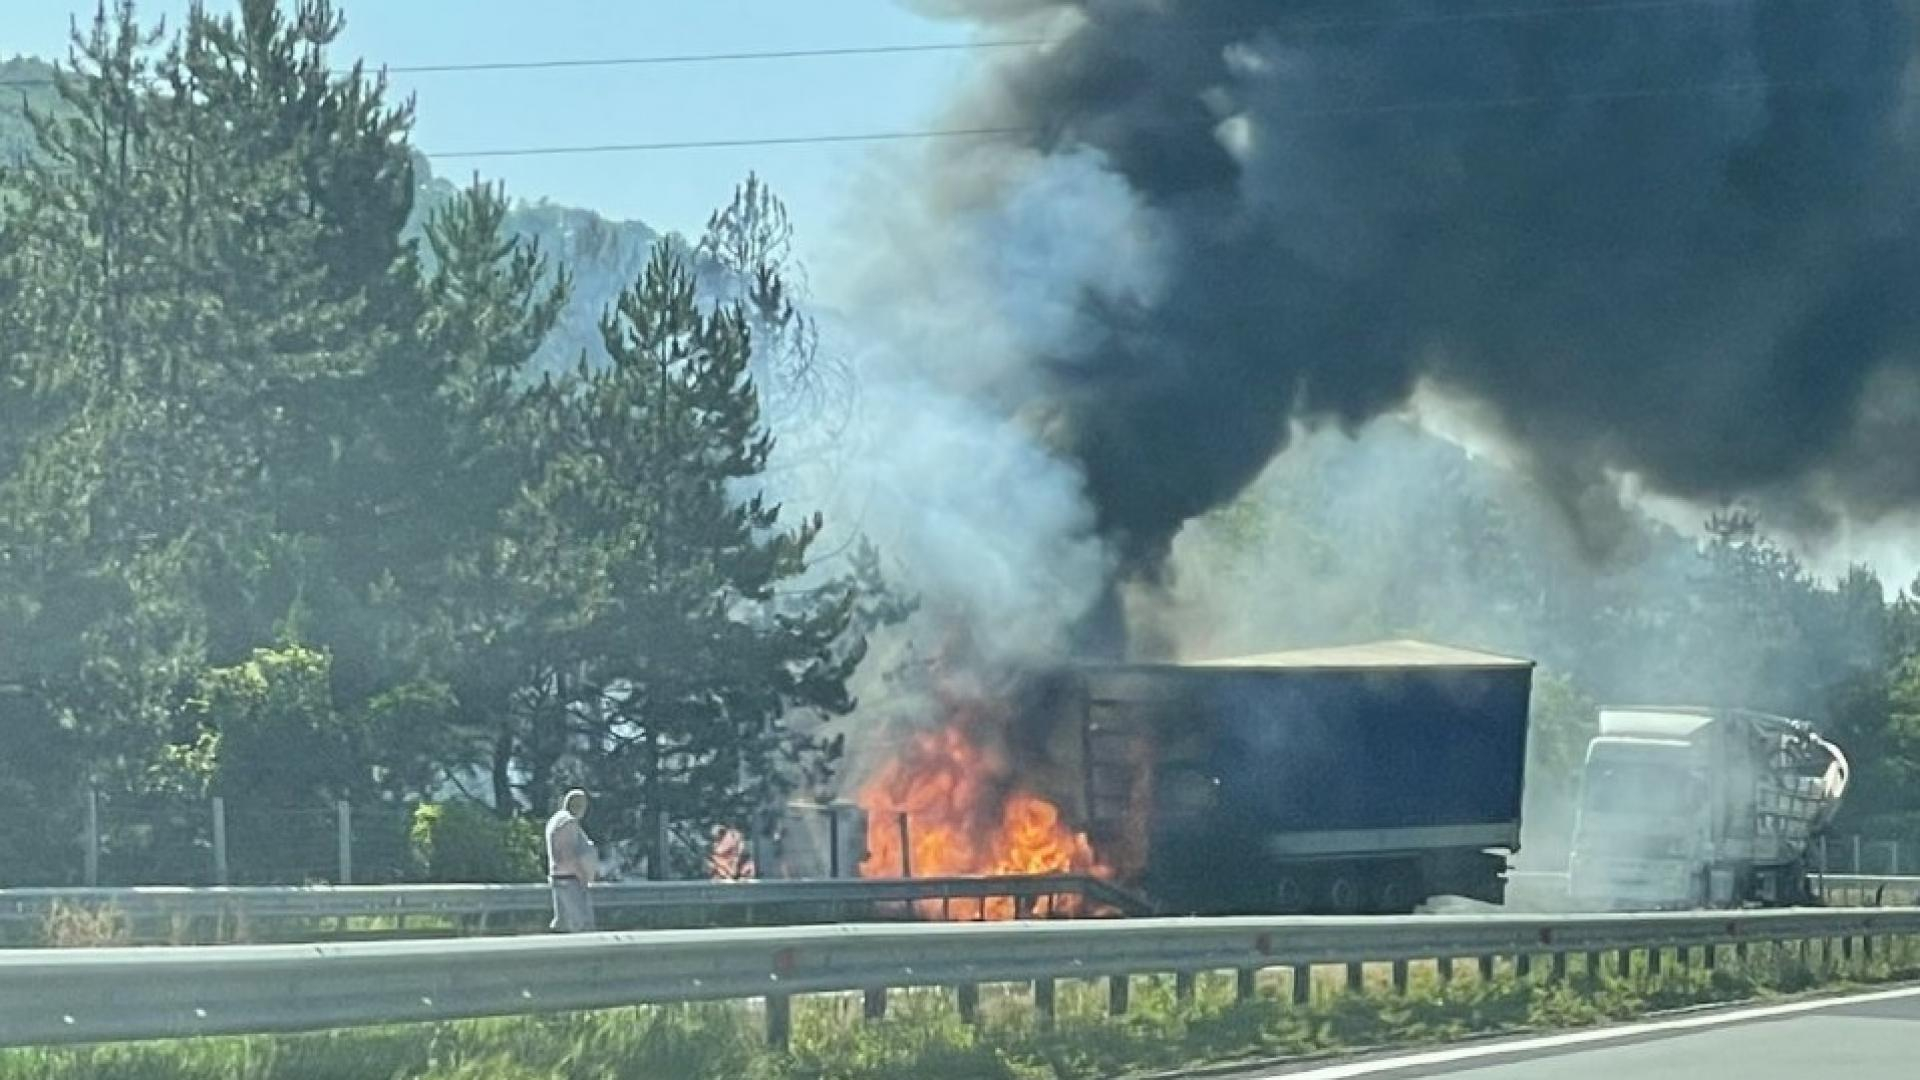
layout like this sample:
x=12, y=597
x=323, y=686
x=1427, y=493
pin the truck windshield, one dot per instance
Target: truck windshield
x=1641, y=788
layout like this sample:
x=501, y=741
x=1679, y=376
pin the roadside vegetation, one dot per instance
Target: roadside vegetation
x=925, y=1038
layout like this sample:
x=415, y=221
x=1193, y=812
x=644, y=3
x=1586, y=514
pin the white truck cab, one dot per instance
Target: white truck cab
x=1686, y=807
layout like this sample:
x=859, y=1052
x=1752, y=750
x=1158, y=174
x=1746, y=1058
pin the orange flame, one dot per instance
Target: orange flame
x=963, y=817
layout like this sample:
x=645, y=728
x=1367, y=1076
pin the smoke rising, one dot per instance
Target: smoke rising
x=1673, y=241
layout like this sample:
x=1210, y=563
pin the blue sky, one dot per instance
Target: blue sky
x=465, y=111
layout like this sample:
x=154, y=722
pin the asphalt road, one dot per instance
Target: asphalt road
x=1860, y=1037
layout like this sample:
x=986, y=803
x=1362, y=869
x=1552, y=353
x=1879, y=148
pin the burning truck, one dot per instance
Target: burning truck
x=1343, y=780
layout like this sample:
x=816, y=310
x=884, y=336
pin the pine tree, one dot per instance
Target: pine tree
x=700, y=651
x=484, y=611
x=204, y=271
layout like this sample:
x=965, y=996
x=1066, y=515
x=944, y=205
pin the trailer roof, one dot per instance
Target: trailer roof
x=1377, y=654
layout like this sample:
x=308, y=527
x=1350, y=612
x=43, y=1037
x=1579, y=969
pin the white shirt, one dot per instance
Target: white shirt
x=569, y=851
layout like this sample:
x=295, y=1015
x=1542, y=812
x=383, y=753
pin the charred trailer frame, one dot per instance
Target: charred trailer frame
x=1361, y=779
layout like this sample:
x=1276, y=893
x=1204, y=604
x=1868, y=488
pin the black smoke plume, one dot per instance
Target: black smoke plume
x=1675, y=239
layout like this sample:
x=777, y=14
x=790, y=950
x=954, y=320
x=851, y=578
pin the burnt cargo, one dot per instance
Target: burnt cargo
x=1361, y=779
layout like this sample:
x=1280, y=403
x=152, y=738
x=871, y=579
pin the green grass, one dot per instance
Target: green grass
x=925, y=1039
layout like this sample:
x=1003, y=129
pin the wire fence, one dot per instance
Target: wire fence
x=129, y=840
x=1864, y=855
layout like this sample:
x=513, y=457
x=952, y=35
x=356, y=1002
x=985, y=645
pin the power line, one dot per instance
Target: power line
x=712, y=144
x=663, y=59
x=1512, y=103
x=717, y=58
x=991, y=44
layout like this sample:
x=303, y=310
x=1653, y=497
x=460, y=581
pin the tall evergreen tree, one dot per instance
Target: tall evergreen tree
x=698, y=653
x=201, y=262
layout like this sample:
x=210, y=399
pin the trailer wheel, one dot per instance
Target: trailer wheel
x=1395, y=890
x=1290, y=896
x=1345, y=890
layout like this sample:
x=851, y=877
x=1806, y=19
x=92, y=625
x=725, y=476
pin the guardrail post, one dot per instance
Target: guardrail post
x=779, y=1021
x=1445, y=965
x=1043, y=1002
x=1559, y=968
x=967, y=997
x=1356, y=977
x=1523, y=965
x=93, y=838
x=875, y=1006
x=1119, y=994
x=343, y=823
x=1400, y=977
x=1245, y=984
x=219, y=841
x=1300, y=983
x=1183, y=986
x=1655, y=957
x=1486, y=968
x=1594, y=961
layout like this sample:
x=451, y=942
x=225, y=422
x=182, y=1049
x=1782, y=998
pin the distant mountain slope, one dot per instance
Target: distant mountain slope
x=604, y=256
x=23, y=83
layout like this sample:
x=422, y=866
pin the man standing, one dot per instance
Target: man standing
x=571, y=865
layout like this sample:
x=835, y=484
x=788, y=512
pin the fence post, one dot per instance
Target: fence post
x=906, y=847
x=657, y=863
x=93, y=837
x=219, y=840
x=833, y=840
x=343, y=820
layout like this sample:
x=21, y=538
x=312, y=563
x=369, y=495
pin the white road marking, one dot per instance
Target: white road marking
x=1459, y=1054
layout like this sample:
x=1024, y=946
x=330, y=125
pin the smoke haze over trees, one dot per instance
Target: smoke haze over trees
x=278, y=457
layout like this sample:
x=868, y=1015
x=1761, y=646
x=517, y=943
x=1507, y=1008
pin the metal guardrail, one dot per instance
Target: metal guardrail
x=94, y=995
x=822, y=899
x=1547, y=889
x=173, y=914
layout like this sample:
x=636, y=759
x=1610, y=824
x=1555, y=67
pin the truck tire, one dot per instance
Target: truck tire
x=1345, y=890
x=1291, y=894
x=1395, y=889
